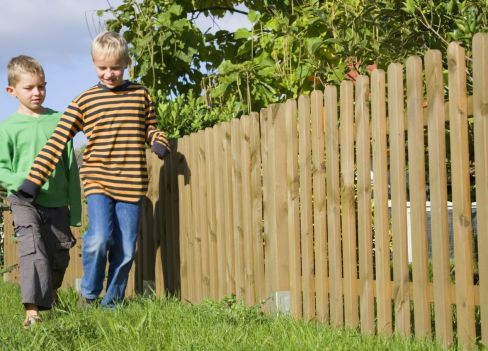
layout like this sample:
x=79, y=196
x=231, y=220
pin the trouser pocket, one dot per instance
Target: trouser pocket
x=25, y=240
x=59, y=225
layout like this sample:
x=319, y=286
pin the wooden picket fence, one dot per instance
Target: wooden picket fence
x=307, y=200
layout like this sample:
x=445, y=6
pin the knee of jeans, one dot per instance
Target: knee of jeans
x=128, y=257
x=95, y=243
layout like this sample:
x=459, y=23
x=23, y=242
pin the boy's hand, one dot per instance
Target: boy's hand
x=28, y=191
x=160, y=150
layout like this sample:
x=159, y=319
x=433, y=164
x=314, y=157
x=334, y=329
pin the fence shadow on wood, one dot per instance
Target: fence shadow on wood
x=157, y=264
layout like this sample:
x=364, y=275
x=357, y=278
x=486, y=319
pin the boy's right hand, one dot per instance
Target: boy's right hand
x=28, y=191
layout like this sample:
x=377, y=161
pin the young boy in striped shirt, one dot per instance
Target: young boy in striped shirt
x=42, y=228
x=117, y=117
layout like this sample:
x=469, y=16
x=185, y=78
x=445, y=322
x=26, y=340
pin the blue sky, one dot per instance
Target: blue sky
x=58, y=33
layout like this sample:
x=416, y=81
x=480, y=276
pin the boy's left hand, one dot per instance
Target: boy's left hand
x=160, y=150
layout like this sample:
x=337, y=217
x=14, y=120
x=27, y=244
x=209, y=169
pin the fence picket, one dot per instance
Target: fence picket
x=257, y=208
x=416, y=160
x=365, y=240
x=333, y=207
x=293, y=187
x=438, y=196
x=319, y=191
x=480, y=112
x=463, y=233
x=351, y=305
x=380, y=184
x=219, y=211
x=247, y=237
x=186, y=270
x=228, y=209
x=401, y=279
x=237, y=206
x=211, y=217
x=191, y=187
x=306, y=209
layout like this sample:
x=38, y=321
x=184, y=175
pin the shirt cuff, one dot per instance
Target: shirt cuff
x=28, y=191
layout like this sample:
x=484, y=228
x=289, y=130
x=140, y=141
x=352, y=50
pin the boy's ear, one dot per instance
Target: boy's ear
x=10, y=90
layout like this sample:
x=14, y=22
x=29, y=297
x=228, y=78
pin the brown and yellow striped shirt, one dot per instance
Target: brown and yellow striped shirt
x=117, y=123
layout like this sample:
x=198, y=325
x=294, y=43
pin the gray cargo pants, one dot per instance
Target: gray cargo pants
x=43, y=241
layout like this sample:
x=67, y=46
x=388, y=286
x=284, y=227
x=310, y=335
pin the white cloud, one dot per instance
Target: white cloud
x=58, y=33
x=48, y=29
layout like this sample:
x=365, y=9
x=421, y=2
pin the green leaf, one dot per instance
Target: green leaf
x=253, y=16
x=313, y=44
x=242, y=33
x=175, y=9
x=409, y=6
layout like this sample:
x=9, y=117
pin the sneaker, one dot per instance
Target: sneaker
x=31, y=320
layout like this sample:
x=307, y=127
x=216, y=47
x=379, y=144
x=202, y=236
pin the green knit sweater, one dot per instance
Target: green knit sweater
x=21, y=139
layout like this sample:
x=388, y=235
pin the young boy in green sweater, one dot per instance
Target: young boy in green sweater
x=42, y=228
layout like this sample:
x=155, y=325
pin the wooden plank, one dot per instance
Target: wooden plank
x=319, y=205
x=257, y=208
x=237, y=206
x=267, y=186
x=333, y=207
x=247, y=207
x=418, y=227
x=195, y=201
x=211, y=175
x=365, y=240
x=190, y=220
x=165, y=217
x=438, y=196
x=202, y=207
x=279, y=200
x=306, y=209
x=381, y=218
x=349, y=242
x=398, y=183
x=152, y=224
x=185, y=205
x=480, y=112
x=293, y=192
x=219, y=209
x=228, y=209
x=270, y=254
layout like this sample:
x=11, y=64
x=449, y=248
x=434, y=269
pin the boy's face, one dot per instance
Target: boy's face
x=110, y=70
x=30, y=90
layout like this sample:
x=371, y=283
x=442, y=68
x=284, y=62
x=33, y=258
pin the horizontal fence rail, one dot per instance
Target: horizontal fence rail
x=353, y=206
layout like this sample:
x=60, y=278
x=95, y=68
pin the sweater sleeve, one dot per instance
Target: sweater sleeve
x=9, y=180
x=74, y=192
x=71, y=122
x=154, y=137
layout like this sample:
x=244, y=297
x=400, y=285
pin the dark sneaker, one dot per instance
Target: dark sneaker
x=83, y=302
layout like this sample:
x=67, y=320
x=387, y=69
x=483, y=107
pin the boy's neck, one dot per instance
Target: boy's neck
x=34, y=113
x=122, y=85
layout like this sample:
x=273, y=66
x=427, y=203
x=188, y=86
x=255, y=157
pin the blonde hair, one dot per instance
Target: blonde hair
x=22, y=64
x=109, y=43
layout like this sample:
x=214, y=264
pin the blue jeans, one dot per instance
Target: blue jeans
x=112, y=234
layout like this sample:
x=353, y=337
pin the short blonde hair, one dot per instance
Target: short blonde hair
x=22, y=64
x=110, y=43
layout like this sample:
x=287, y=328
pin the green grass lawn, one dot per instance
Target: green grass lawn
x=167, y=324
